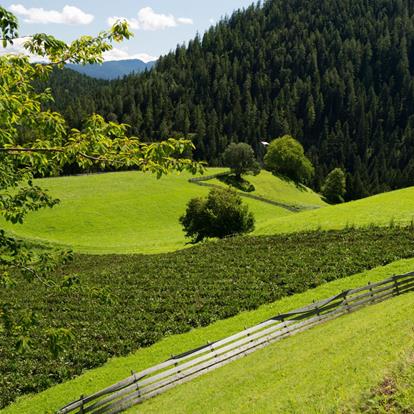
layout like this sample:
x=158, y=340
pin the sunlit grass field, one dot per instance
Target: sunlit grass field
x=383, y=209
x=132, y=212
x=124, y=212
x=273, y=188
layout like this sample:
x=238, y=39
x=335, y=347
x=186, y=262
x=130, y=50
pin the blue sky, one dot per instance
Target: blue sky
x=158, y=25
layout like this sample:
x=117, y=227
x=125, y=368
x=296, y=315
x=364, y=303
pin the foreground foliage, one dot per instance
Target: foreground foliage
x=116, y=304
x=36, y=141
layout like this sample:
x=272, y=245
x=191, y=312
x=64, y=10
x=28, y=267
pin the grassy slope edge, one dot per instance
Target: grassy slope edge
x=119, y=368
x=395, y=206
x=320, y=371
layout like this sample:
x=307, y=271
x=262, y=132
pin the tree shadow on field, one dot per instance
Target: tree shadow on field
x=288, y=180
x=240, y=184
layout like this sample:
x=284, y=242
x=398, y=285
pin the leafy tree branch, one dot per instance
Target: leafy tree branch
x=35, y=141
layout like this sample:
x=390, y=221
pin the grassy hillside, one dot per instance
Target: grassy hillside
x=126, y=212
x=276, y=189
x=319, y=371
x=396, y=206
x=119, y=368
x=173, y=293
x=130, y=212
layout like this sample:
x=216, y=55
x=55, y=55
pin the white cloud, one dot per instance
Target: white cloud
x=122, y=54
x=15, y=48
x=185, y=20
x=68, y=15
x=147, y=19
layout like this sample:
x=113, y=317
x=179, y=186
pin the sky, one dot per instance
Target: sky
x=158, y=25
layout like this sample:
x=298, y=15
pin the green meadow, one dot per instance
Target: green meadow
x=274, y=188
x=131, y=212
x=383, y=209
x=124, y=212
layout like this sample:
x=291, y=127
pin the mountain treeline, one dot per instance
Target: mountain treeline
x=113, y=69
x=75, y=95
x=335, y=74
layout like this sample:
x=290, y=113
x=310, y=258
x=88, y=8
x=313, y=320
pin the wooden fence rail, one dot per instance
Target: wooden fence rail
x=181, y=368
x=201, y=181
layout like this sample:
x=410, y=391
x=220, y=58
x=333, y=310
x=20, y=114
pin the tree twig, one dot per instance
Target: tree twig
x=35, y=274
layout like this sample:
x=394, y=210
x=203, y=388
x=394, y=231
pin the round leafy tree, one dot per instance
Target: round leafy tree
x=285, y=156
x=334, y=187
x=240, y=158
x=221, y=214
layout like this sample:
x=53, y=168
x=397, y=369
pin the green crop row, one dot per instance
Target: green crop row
x=126, y=302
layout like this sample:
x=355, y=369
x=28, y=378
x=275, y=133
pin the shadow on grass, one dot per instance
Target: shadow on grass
x=239, y=183
x=288, y=180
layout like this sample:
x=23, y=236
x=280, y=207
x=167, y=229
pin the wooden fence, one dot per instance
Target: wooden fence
x=201, y=181
x=208, y=177
x=181, y=368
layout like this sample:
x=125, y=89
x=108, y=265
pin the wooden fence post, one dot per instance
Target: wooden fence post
x=372, y=294
x=397, y=287
x=348, y=308
x=81, y=407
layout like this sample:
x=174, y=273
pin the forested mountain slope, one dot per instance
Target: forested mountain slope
x=336, y=74
x=75, y=95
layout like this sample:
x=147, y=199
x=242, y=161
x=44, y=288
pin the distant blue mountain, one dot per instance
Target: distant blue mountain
x=113, y=69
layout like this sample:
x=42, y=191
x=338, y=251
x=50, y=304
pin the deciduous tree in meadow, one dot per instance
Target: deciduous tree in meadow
x=240, y=158
x=221, y=214
x=286, y=157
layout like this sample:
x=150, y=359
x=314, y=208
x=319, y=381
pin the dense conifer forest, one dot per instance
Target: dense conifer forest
x=335, y=74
